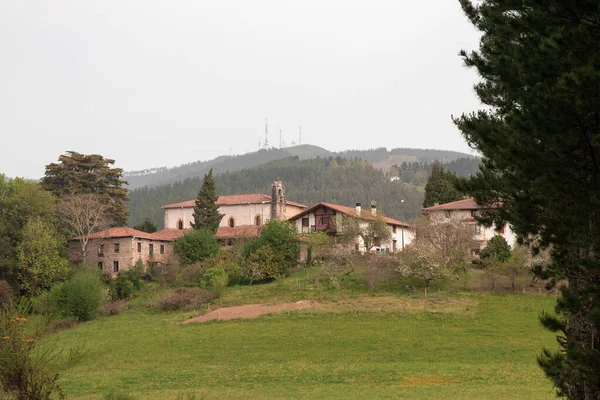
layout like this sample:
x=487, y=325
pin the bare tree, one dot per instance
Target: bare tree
x=420, y=260
x=370, y=231
x=85, y=214
x=450, y=238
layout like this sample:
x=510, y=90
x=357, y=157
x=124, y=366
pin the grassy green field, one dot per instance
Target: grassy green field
x=453, y=345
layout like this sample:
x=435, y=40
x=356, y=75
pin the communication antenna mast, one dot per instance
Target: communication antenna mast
x=259, y=142
x=300, y=135
x=266, y=145
x=280, y=146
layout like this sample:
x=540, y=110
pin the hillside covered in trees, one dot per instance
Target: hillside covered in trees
x=333, y=179
x=381, y=158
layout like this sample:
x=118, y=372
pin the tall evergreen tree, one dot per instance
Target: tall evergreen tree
x=78, y=173
x=206, y=213
x=440, y=187
x=540, y=136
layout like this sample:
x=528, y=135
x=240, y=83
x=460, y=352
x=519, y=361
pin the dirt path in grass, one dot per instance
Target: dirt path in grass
x=250, y=311
x=465, y=306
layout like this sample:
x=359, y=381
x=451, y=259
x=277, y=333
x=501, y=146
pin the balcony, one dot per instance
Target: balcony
x=329, y=228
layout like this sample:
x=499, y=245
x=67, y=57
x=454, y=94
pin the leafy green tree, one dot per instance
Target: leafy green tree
x=147, y=226
x=206, y=212
x=81, y=296
x=78, y=173
x=196, y=246
x=540, y=139
x=281, y=237
x=39, y=263
x=20, y=200
x=497, y=249
x=441, y=187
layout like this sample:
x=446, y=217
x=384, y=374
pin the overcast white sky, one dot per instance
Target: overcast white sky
x=153, y=83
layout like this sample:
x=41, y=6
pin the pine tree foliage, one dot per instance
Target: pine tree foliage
x=539, y=62
x=441, y=187
x=206, y=213
x=78, y=173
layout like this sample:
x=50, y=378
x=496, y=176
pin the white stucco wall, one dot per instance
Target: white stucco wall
x=243, y=214
x=409, y=233
x=483, y=233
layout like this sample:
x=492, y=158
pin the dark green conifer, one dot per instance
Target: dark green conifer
x=206, y=213
x=539, y=62
x=440, y=187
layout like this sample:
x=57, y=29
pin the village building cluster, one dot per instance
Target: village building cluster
x=120, y=248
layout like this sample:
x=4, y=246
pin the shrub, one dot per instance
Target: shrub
x=165, y=274
x=45, y=304
x=79, y=297
x=6, y=293
x=190, y=274
x=229, y=261
x=281, y=237
x=30, y=367
x=217, y=279
x=263, y=265
x=196, y=246
x=184, y=299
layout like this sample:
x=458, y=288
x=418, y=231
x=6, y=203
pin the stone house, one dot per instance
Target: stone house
x=118, y=249
x=465, y=211
x=326, y=217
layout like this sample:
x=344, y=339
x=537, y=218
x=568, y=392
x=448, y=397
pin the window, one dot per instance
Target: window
x=325, y=220
x=162, y=249
x=257, y=220
x=448, y=213
x=180, y=224
x=478, y=229
x=115, y=266
x=473, y=213
x=139, y=247
x=393, y=228
x=117, y=247
x=305, y=222
x=502, y=229
x=100, y=265
x=101, y=250
x=377, y=242
x=231, y=222
x=151, y=248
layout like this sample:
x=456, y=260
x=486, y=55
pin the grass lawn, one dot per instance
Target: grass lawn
x=452, y=346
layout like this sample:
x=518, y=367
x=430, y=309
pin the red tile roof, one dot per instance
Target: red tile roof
x=254, y=198
x=169, y=234
x=350, y=211
x=465, y=204
x=226, y=232
x=118, y=232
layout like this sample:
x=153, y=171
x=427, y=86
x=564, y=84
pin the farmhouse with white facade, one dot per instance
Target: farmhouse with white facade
x=326, y=217
x=466, y=211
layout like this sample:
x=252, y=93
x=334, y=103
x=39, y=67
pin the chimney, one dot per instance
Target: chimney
x=374, y=208
x=436, y=204
x=358, y=209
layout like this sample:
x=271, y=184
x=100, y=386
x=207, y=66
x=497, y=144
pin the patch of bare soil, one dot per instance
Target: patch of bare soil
x=465, y=306
x=249, y=311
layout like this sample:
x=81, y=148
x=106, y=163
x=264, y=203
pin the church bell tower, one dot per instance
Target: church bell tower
x=278, y=200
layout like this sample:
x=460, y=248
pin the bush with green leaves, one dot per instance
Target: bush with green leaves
x=277, y=248
x=216, y=279
x=496, y=249
x=196, y=246
x=263, y=265
x=81, y=296
x=229, y=261
x=183, y=299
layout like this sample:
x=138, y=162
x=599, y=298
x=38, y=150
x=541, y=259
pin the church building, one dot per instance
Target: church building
x=244, y=214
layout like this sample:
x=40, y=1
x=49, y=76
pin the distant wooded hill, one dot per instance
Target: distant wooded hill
x=332, y=179
x=381, y=158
